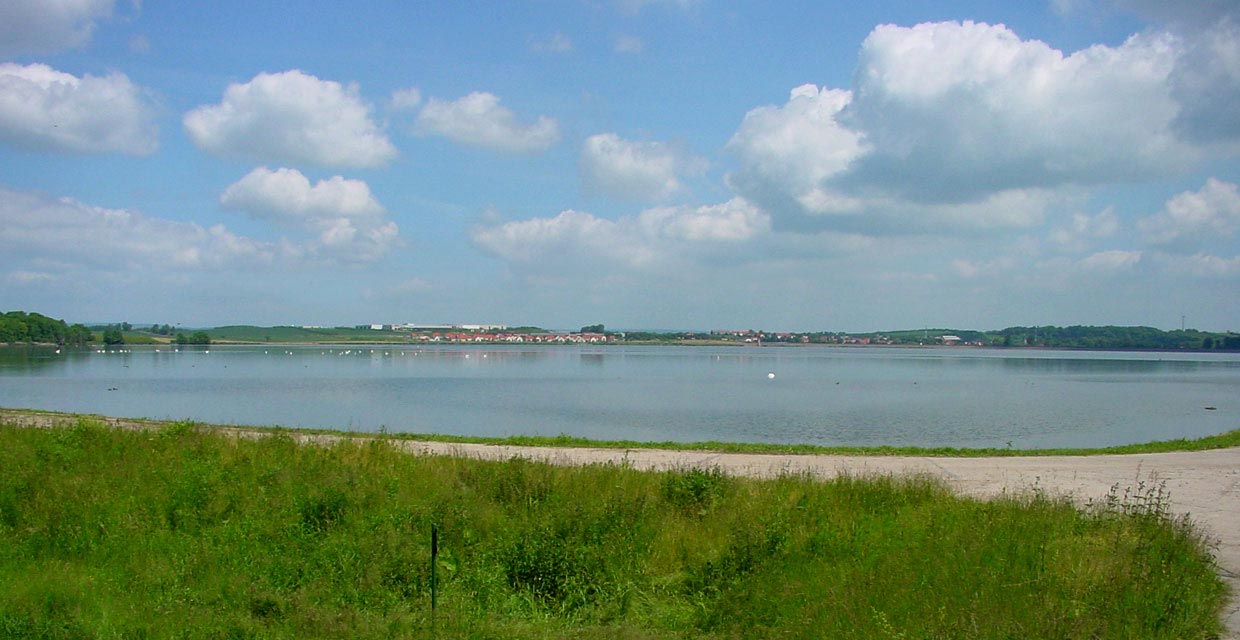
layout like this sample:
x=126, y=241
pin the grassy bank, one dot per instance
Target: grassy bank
x=312, y=335
x=1219, y=441
x=183, y=532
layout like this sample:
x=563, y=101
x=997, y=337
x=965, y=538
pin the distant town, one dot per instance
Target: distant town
x=498, y=333
x=1107, y=337
x=491, y=333
x=19, y=327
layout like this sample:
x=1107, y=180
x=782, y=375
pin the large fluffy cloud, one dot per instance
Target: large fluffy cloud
x=294, y=118
x=790, y=152
x=44, y=109
x=1211, y=212
x=966, y=108
x=1207, y=84
x=628, y=170
x=655, y=238
x=951, y=113
x=479, y=120
x=346, y=219
x=42, y=235
x=45, y=26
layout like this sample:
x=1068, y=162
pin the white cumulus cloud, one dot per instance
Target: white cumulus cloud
x=1213, y=210
x=346, y=218
x=949, y=115
x=70, y=235
x=956, y=108
x=627, y=170
x=46, y=26
x=479, y=120
x=292, y=117
x=733, y=221
x=1204, y=265
x=1110, y=261
x=405, y=99
x=655, y=238
x=43, y=109
x=1083, y=228
x=790, y=151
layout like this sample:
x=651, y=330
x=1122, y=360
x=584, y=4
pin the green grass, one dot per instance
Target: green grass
x=253, y=334
x=183, y=532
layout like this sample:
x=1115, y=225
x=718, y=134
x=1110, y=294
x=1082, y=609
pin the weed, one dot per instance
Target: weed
x=694, y=491
x=322, y=509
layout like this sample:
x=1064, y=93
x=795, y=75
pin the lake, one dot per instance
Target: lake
x=958, y=397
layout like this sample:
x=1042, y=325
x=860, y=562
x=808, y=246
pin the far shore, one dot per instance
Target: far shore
x=155, y=342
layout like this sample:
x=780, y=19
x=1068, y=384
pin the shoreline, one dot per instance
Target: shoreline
x=1224, y=440
x=617, y=344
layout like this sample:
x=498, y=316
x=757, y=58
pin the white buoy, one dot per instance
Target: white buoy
x=770, y=376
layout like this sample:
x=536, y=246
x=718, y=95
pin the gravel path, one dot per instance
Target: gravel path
x=1203, y=484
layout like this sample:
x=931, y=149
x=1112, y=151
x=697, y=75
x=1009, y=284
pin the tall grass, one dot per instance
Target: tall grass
x=181, y=533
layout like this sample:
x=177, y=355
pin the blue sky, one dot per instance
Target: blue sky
x=641, y=163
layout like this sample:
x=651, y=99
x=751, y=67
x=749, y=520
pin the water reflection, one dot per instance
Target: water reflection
x=873, y=396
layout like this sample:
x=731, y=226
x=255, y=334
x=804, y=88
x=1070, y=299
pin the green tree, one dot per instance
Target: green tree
x=200, y=337
x=78, y=335
x=592, y=328
x=12, y=328
x=112, y=337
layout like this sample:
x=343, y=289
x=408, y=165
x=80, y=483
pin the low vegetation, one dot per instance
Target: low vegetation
x=253, y=334
x=185, y=532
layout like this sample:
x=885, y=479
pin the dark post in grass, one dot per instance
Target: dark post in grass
x=434, y=569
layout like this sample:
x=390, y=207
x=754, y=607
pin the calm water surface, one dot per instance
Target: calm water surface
x=829, y=396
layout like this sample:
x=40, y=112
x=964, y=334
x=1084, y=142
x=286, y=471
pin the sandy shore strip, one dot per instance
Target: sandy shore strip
x=1202, y=484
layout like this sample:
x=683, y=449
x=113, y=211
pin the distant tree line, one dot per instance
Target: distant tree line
x=197, y=337
x=1111, y=337
x=19, y=326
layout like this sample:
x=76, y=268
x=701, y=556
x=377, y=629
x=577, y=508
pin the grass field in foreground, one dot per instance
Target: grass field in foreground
x=183, y=532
